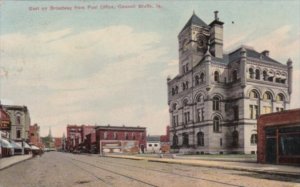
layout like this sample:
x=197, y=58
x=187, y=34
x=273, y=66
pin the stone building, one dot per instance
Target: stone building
x=20, y=122
x=216, y=97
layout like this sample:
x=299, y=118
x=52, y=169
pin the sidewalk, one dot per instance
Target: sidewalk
x=9, y=161
x=240, y=166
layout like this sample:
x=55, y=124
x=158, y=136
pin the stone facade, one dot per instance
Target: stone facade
x=20, y=121
x=216, y=97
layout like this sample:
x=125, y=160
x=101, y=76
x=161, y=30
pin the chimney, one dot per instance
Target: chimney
x=216, y=15
x=216, y=36
x=266, y=53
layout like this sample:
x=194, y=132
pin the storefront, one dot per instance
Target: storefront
x=279, y=138
x=5, y=125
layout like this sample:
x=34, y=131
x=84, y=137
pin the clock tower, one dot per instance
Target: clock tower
x=193, y=43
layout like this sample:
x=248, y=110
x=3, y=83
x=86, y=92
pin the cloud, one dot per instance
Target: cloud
x=171, y=68
x=282, y=43
x=69, y=77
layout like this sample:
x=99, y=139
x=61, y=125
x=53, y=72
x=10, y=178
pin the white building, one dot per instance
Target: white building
x=20, y=121
x=153, y=144
x=216, y=97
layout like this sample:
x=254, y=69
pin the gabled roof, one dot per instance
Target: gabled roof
x=252, y=54
x=194, y=20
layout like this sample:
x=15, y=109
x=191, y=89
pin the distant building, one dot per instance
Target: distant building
x=121, y=133
x=58, y=144
x=153, y=144
x=20, y=122
x=166, y=138
x=76, y=136
x=216, y=97
x=279, y=137
x=34, y=135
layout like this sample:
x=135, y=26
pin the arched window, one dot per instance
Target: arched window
x=18, y=119
x=133, y=137
x=176, y=90
x=175, y=140
x=173, y=91
x=174, y=107
x=251, y=72
x=253, y=95
x=200, y=98
x=200, y=139
x=257, y=74
x=235, y=138
x=185, y=137
x=265, y=75
x=216, y=76
x=197, y=80
x=183, y=86
x=253, y=139
x=234, y=76
x=216, y=124
x=280, y=97
x=126, y=136
x=202, y=77
x=267, y=96
x=216, y=103
x=185, y=102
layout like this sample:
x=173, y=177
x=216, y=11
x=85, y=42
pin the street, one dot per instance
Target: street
x=64, y=169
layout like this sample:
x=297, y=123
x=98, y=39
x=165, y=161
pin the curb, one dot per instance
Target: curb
x=260, y=171
x=12, y=164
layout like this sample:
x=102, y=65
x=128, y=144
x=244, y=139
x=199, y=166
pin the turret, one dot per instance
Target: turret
x=216, y=37
x=290, y=75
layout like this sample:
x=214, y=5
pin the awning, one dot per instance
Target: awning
x=25, y=145
x=5, y=143
x=33, y=147
x=15, y=145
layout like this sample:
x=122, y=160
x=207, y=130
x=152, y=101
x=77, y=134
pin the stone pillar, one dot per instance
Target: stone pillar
x=243, y=76
x=290, y=75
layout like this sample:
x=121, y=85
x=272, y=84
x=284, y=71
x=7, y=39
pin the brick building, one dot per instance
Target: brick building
x=34, y=135
x=166, y=138
x=58, y=143
x=279, y=137
x=121, y=133
x=76, y=136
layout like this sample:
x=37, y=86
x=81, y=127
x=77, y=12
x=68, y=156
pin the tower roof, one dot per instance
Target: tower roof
x=195, y=20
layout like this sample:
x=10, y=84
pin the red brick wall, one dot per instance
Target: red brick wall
x=34, y=137
x=140, y=135
x=288, y=117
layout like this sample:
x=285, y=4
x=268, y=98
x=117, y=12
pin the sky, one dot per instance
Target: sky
x=106, y=62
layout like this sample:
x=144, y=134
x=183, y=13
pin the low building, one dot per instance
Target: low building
x=76, y=136
x=153, y=144
x=121, y=133
x=279, y=137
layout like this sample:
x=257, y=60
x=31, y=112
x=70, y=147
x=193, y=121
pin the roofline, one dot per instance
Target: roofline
x=118, y=127
x=278, y=113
